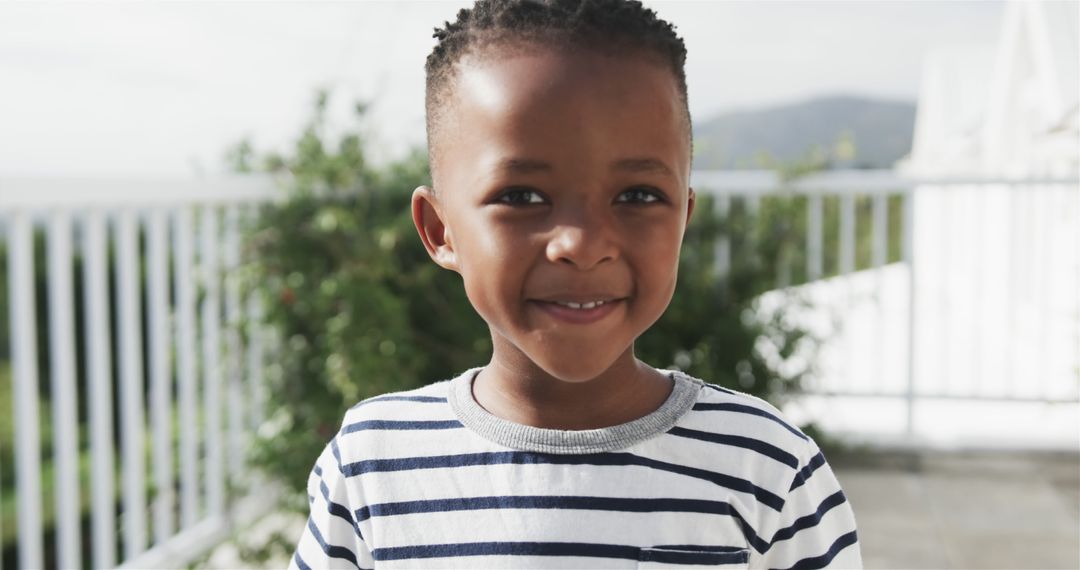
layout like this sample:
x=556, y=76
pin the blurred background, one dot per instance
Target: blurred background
x=206, y=257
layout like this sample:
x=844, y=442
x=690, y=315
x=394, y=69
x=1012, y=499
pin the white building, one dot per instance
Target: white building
x=1007, y=110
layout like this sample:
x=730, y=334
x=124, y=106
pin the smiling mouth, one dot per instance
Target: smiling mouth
x=580, y=300
x=579, y=312
x=586, y=305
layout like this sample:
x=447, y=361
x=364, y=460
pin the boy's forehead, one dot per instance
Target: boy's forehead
x=540, y=80
x=544, y=104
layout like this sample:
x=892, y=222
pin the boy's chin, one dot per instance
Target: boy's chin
x=575, y=369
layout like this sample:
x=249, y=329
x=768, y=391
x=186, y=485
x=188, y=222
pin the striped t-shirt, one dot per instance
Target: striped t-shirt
x=713, y=478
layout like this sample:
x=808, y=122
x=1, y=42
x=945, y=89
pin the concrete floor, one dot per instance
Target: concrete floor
x=965, y=510
x=914, y=510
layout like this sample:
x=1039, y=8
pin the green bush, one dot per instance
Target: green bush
x=361, y=310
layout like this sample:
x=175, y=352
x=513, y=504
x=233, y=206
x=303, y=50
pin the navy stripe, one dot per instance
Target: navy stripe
x=334, y=508
x=507, y=548
x=690, y=554
x=723, y=390
x=432, y=399
x=701, y=547
x=300, y=561
x=744, y=409
x=332, y=551
x=522, y=458
x=337, y=454
x=805, y=473
x=822, y=561
x=766, y=449
x=834, y=500
x=317, y=471
x=401, y=424
x=618, y=504
x=338, y=510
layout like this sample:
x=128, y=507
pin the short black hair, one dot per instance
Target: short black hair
x=607, y=26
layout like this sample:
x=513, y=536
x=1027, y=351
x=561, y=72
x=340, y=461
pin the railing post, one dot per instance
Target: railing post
x=910, y=194
x=723, y=244
x=25, y=389
x=814, y=237
x=161, y=378
x=881, y=229
x=64, y=405
x=233, y=347
x=211, y=326
x=256, y=370
x=186, y=370
x=847, y=233
x=129, y=319
x=100, y=383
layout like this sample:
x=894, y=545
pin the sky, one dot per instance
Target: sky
x=163, y=89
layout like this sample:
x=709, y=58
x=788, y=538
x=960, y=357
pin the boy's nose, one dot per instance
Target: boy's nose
x=582, y=244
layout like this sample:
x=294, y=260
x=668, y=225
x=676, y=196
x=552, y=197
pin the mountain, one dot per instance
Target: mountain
x=880, y=130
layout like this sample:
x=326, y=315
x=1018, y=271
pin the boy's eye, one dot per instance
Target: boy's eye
x=520, y=197
x=639, y=195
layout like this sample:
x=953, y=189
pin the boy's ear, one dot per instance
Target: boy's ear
x=427, y=215
x=691, y=200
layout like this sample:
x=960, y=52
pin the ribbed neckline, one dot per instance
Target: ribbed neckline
x=544, y=440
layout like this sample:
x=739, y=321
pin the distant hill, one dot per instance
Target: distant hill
x=880, y=130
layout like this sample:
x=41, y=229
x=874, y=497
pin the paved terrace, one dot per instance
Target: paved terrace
x=965, y=510
x=915, y=510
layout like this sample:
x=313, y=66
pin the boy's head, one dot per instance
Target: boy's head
x=559, y=138
x=501, y=28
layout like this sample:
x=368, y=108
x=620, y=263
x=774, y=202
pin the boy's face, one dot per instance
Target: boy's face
x=561, y=178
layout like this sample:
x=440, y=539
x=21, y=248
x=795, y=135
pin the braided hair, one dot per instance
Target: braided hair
x=605, y=26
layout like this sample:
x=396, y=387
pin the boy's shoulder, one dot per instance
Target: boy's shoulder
x=737, y=414
x=425, y=400
x=717, y=397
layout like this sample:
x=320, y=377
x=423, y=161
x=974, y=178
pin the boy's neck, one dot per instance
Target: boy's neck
x=523, y=393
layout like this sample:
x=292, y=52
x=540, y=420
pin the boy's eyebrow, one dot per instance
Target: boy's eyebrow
x=642, y=165
x=523, y=166
x=633, y=165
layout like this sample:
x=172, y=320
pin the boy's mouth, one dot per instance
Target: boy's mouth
x=581, y=301
x=586, y=305
x=580, y=310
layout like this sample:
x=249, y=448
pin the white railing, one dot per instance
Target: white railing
x=983, y=307
x=194, y=308
x=94, y=215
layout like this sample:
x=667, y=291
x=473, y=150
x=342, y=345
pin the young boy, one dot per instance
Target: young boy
x=559, y=137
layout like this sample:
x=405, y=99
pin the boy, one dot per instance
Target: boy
x=559, y=137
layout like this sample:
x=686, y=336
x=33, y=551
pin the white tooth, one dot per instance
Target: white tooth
x=589, y=305
x=573, y=305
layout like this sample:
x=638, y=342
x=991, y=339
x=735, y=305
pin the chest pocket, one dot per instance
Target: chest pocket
x=687, y=557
